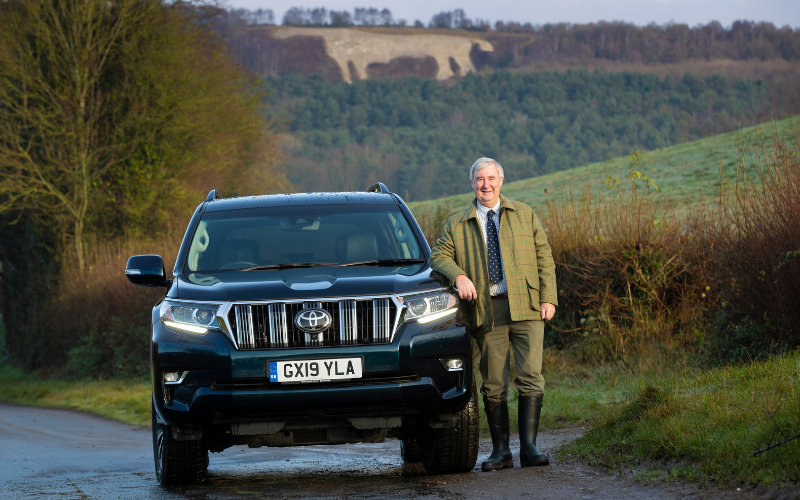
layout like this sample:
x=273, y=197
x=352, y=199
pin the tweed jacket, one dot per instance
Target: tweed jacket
x=527, y=261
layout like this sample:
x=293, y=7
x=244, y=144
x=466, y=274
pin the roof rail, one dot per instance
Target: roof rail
x=378, y=187
x=213, y=195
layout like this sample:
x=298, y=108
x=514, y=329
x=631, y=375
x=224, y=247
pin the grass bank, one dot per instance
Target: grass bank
x=705, y=426
x=686, y=174
x=125, y=400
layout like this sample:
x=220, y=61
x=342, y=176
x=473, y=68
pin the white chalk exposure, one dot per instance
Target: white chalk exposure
x=345, y=45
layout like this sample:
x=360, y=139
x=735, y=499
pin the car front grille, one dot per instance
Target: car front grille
x=272, y=326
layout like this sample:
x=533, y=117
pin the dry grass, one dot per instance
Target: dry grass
x=100, y=318
x=756, y=242
x=629, y=274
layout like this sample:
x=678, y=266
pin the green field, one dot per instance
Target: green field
x=685, y=174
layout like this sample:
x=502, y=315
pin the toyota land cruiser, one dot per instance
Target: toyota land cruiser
x=305, y=319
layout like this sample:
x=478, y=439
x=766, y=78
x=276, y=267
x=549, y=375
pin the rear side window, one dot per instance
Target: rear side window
x=236, y=239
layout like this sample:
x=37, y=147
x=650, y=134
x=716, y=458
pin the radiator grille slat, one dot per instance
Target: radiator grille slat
x=380, y=320
x=278, y=333
x=251, y=338
x=348, y=322
x=271, y=326
x=244, y=327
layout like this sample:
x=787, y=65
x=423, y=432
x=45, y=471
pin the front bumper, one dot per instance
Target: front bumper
x=225, y=385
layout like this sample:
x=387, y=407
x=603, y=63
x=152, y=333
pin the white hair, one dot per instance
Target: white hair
x=482, y=163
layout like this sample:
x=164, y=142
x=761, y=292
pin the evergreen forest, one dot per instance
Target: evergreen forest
x=420, y=136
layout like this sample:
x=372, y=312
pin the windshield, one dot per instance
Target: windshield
x=315, y=235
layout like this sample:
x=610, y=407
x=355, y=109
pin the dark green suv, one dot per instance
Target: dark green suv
x=305, y=319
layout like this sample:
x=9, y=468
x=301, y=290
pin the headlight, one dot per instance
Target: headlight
x=197, y=319
x=427, y=308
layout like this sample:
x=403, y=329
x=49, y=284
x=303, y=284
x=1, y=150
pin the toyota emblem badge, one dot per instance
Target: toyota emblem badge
x=313, y=320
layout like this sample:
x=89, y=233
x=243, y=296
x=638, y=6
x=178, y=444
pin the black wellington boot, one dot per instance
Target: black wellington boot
x=530, y=407
x=497, y=416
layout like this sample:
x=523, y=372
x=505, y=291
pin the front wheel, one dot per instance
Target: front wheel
x=177, y=462
x=447, y=451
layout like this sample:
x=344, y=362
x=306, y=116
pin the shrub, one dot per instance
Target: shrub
x=432, y=223
x=735, y=338
x=122, y=350
x=628, y=269
x=100, y=321
x=756, y=246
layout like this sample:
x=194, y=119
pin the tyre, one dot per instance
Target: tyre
x=409, y=450
x=177, y=462
x=447, y=451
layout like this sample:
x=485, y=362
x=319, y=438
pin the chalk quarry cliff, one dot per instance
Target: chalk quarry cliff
x=354, y=54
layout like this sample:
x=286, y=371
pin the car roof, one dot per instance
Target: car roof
x=290, y=199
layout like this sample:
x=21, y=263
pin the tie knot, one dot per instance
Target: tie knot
x=491, y=213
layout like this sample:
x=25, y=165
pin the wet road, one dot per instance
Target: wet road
x=46, y=453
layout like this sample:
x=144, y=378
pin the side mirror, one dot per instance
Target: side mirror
x=146, y=270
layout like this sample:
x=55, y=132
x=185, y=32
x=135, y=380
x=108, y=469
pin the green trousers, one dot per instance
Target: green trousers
x=526, y=338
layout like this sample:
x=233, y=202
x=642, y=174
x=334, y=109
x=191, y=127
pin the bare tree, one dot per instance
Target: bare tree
x=443, y=19
x=295, y=16
x=264, y=16
x=318, y=16
x=59, y=128
x=460, y=19
x=341, y=18
x=368, y=16
x=451, y=20
x=386, y=17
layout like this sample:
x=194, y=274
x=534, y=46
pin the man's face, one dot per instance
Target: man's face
x=487, y=184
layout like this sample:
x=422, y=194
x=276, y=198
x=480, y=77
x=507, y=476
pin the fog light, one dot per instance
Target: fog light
x=452, y=364
x=174, y=377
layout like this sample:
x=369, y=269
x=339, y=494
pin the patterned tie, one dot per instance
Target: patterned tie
x=493, y=247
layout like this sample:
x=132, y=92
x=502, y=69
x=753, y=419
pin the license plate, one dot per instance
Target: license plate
x=315, y=370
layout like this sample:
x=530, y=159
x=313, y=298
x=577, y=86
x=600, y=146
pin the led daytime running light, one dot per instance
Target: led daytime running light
x=199, y=330
x=436, y=316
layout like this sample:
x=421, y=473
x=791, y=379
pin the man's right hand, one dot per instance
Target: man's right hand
x=466, y=289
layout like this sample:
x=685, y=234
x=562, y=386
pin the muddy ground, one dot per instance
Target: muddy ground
x=46, y=453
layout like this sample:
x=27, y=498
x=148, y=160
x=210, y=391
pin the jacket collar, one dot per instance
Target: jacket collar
x=471, y=212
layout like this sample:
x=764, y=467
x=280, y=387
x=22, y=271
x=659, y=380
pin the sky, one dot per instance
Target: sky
x=640, y=12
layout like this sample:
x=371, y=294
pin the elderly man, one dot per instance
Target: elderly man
x=495, y=252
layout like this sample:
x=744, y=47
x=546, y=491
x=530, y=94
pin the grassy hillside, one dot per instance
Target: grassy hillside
x=685, y=173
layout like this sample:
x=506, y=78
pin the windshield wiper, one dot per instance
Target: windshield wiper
x=378, y=262
x=381, y=262
x=286, y=266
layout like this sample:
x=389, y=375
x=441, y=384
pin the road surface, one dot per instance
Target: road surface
x=48, y=453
